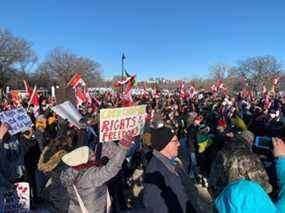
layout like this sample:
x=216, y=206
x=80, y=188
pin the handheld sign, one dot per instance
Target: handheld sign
x=17, y=119
x=16, y=200
x=66, y=110
x=116, y=123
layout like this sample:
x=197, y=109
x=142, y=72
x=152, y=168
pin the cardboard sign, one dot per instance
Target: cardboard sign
x=116, y=123
x=65, y=94
x=17, y=119
x=16, y=200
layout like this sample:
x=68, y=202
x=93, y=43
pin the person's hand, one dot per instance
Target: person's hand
x=126, y=141
x=28, y=133
x=3, y=130
x=278, y=147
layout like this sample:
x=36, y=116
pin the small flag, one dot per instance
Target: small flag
x=76, y=80
x=34, y=99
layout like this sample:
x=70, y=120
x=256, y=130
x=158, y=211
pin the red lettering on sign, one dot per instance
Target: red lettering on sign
x=116, y=124
x=105, y=126
x=105, y=136
x=112, y=136
x=122, y=124
x=128, y=122
x=112, y=125
x=133, y=122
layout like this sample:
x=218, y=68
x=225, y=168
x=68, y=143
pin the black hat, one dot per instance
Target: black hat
x=160, y=137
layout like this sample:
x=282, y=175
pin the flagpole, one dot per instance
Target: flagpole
x=123, y=69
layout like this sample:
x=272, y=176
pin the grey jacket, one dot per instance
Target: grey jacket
x=91, y=182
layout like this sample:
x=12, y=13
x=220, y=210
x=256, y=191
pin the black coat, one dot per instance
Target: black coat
x=164, y=191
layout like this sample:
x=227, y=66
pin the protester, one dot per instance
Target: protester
x=195, y=147
x=164, y=185
x=244, y=195
x=85, y=178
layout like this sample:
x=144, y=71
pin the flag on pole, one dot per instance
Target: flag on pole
x=34, y=99
x=192, y=91
x=28, y=89
x=76, y=80
x=182, y=93
x=126, y=81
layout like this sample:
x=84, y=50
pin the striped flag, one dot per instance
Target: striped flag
x=76, y=80
x=34, y=99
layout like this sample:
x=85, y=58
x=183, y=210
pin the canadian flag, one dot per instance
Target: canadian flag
x=34, y=99
x=126, y=81
x=126, y=98
x=28, y=89
x=182, y=93
x=192, y=91
x=88, y=97
x=76, y=80
x=80, y=96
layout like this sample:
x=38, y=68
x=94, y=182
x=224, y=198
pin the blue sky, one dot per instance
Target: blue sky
x=161, y=38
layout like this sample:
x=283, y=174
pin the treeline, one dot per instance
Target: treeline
x=18, y=61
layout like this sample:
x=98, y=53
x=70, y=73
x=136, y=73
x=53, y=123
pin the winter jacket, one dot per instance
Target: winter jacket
x=243, y=196
x=12, y=153
x=91, y=182
x=164, y=191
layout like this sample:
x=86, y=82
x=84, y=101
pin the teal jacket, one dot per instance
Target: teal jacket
x=243, y=196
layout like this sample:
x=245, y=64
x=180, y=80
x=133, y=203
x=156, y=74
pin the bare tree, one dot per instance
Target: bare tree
x=258, y=71
x=219, y=71
x=16, y=54
x=60, y=65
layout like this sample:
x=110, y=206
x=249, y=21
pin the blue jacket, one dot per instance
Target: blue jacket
x=243, y=196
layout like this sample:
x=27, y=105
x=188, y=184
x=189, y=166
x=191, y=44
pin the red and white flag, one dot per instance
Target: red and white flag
x=124, y=82
x=182, y=93
x=126, y=98
x=76, y=80
x=192, y=91
x=80, y=96
x=34, y=99
x=28, y=89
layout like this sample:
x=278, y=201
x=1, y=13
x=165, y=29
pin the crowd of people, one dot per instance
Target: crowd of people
x=196, y=154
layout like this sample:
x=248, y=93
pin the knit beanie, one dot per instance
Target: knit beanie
x=160, y=137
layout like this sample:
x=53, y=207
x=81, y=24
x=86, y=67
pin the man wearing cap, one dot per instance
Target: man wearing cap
x=164, y=186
